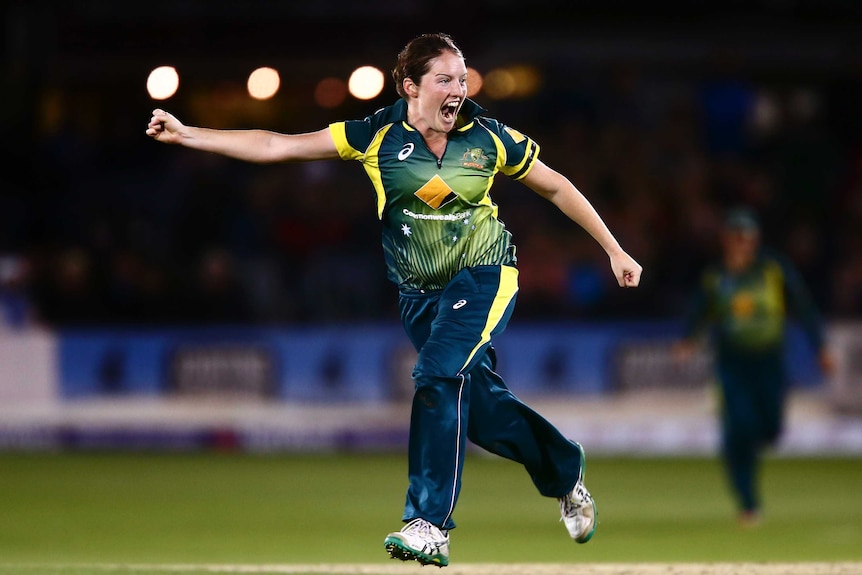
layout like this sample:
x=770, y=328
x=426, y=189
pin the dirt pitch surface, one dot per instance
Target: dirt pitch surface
x=524, y=569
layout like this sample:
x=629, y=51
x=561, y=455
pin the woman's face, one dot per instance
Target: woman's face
x=740, y=247
x=434, y=102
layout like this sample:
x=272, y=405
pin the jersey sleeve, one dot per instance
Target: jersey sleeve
x=351, y=138
x=521, y=151
x=800, y=302
x=699, y=314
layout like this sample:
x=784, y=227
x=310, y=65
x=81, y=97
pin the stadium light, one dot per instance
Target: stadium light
x=263, y=83
x=330, y=92
x=474, y=82
x=519, y=81
x=162, y=83
x=528, y=80
x=499, y=84
x=365, y=82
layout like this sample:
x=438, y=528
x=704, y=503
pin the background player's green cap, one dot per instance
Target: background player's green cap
x=741, y=218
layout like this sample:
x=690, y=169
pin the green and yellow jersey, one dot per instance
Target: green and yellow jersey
x=748, y=310
x=437, y=213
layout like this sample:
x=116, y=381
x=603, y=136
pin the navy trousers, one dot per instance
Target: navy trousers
x=753, y=392
x=458, y=396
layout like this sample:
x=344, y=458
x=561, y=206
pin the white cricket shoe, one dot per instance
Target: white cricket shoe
x=578, y=509
x=421, y=541
x=579, y=513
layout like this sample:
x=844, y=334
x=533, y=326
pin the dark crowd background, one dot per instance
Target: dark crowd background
x=663, y=113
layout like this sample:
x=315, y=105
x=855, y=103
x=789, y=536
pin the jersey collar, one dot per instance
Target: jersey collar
x=469, y=110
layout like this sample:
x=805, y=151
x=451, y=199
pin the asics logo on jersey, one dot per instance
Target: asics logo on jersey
x=459, y=304
x=405, y=151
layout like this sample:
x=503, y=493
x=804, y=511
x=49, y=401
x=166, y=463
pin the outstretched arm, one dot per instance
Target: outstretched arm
x=556, y=188
x=800, y=300
x=258, y=146
x=698, y=319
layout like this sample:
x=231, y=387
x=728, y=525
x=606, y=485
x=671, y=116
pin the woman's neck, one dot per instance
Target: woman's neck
x=434, y=139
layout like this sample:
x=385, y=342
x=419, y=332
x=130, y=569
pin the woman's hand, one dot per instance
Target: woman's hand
x=164, y=127
x=626, y=270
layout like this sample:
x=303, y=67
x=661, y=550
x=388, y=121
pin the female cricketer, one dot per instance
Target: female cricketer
x=431, y=158
x=744, y=299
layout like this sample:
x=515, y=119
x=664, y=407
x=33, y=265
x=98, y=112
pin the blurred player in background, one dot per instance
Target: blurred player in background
x=744, y=299
x=431, y=158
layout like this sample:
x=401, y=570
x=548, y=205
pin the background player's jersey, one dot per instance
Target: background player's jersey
x=748, y=310
x=437, y=214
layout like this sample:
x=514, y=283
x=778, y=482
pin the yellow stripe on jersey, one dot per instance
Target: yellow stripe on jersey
x=516, y=172
x=521, y=169
x=505, y=292
x=501, y=163
x=774, y=277
x=368, y=158
x=517, y=136
x=486, y=198
x=338, y=131
x=501, y=150
x=372, y=168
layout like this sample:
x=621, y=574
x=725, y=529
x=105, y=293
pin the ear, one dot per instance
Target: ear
x=410, y=87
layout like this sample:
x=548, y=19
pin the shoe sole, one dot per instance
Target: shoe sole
x=398, y=550
x=588, y=536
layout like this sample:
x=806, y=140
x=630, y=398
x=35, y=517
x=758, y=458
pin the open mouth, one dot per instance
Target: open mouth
x=450, y=111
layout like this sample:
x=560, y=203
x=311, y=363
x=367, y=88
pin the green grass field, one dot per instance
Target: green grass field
x=142, y=508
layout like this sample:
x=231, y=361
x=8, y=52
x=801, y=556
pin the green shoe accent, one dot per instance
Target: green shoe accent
x=595, y=514
x=398, y=550
x=589, y=535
